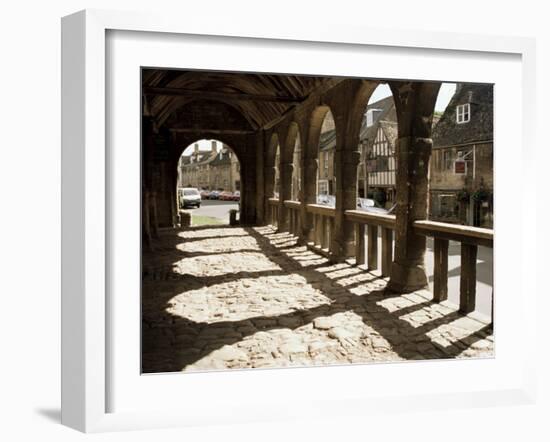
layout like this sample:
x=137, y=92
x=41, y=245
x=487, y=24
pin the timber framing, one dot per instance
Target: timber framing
x=178, y=92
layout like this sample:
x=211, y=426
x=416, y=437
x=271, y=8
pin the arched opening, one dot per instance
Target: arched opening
x=208, y=182
x=295, y=156
x=376, y=171
x=326, y=180
x=277, y=174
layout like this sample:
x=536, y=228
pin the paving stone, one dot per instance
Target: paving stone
x=229, y=353
x=263, y=323
x=424, y=347
x=380, y=343
x=215, y=331
x=346, y=337
x=247, y=330
x=293, y=347
x=325, y=323
x=482, y=345
x=290, y=322
x=318, y=346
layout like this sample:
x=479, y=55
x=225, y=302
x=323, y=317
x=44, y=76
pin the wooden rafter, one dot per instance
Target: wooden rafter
x=180, y=92
x=211, y=131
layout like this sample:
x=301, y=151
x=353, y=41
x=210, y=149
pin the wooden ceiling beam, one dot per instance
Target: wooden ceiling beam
x=178, y=92
x=212, y=131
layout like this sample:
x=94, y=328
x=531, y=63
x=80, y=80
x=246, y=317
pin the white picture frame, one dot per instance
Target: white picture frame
x=86, y=317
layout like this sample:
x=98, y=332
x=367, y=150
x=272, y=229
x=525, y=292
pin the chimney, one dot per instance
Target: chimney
x=196, y=151
x=214, y=146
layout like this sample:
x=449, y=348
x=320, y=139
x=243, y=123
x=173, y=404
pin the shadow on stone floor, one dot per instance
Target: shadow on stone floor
x=171, y=342
x=484, y=273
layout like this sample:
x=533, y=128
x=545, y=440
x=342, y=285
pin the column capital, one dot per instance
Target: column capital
x=418, y=142
x=351, y=157
x=287, y=167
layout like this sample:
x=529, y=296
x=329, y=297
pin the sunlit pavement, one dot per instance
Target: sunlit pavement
x=215, y=209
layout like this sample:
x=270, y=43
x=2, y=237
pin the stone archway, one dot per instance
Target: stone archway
x=211, y=167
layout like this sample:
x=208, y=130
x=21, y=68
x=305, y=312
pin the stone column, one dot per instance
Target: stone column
x=174, y=192
x=343, y=237
x=309, y=196
x=285, y=194
x=408, y=271
x=415, y=102
x=147, y=179
x=260, y=181
x=248, y=183
x=269, y=185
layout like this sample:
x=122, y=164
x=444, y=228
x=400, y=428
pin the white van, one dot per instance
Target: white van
x=189, y=197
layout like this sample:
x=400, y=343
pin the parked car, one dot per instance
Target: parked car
x=189, y=197
x=237, y=196
x=205, y=194
x=370, y=205
x=226, y=196
x=326, y=200
x=214, y=195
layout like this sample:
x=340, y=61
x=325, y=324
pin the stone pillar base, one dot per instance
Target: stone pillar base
x=185, y=219
x=341, y=252
x=336, y=259
x=407, y=278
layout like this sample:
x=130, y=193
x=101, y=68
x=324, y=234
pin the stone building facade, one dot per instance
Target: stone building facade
x=461, y=167
x=216, y=169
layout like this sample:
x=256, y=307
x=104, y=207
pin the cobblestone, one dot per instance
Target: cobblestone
x=232, y=297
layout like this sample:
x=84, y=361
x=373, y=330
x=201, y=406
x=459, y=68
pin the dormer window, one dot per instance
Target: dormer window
x=372, y=115
x=463, y=113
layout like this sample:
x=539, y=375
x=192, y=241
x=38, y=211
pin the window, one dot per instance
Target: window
x=448, y=159
x=372, y=116
x=447, y=205
x=463, y=113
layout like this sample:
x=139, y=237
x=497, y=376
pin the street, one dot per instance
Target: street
x=215, y=209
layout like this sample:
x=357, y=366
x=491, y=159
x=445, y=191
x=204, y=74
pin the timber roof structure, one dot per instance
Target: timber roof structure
x=240, y=102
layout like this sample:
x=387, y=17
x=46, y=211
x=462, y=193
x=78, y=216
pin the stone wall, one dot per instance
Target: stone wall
x=212, y=173
x=455, y=197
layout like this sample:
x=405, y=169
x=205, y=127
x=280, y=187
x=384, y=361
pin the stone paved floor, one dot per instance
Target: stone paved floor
x=232, y=297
